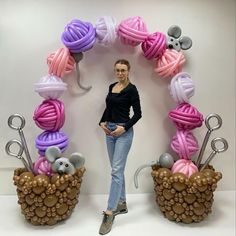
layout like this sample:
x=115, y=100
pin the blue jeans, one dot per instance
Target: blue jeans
x=118, y=149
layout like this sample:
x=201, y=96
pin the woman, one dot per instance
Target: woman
x=118, y=127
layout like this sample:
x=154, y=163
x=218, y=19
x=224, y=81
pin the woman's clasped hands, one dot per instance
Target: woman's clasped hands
x=117, y=132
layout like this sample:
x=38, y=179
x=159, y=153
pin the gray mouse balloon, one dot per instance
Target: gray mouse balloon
x=63, y=165
x=165, y=160
x=174, y=41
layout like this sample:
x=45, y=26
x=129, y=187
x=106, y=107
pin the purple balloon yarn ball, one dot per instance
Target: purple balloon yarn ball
x=47, y=139
x=78, y=36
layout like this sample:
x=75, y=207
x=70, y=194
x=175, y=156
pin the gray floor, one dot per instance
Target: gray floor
x=144, y=218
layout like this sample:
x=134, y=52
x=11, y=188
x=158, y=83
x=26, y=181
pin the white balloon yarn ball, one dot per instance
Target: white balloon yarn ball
x=50, y=87
x=181, y=87
x=106, y=30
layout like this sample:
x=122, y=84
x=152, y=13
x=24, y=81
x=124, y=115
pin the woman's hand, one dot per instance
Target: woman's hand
x=118, y=131
x=105, y=129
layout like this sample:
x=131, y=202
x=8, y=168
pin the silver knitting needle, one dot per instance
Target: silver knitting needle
x=215, y=150
x=19, y=128
x=207, y=136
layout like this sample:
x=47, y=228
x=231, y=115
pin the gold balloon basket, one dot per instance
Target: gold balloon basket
x=47, y=200
x=184, y=199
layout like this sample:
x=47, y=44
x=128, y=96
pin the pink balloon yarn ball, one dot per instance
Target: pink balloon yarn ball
x=186, y=117
x=170, y=63
x=184, y=144
x=154, y=45
x=50, y=115
x=60, y=62
x=132, y=31
x=181, y=87
x=42, y=166
x=186, y=167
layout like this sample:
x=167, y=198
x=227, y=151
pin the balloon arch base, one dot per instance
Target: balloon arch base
x=183, y=199
x=47, y=200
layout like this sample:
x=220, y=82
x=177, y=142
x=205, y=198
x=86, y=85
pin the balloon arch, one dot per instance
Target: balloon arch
x=48, y=194
x=79, y=37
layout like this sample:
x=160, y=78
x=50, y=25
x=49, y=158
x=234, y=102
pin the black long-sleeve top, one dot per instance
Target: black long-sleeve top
x=118, y=106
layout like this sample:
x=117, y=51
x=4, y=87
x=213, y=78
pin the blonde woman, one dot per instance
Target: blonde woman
x=118, y=127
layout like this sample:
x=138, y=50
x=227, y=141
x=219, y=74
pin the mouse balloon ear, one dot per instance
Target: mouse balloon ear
x=77, y=159
x=174, y=31
x=185, y=42
x=52, y=153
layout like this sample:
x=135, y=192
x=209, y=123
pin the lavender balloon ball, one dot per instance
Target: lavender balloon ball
x=166, y=160
x=182, y=87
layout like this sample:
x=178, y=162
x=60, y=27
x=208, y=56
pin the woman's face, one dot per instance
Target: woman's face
x=122, y=72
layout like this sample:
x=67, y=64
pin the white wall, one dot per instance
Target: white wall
x=30, y=30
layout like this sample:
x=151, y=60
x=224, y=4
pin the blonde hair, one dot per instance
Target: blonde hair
x=123, y=62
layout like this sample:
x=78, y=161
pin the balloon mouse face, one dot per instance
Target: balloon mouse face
x=63, y=165
x=174, y=41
